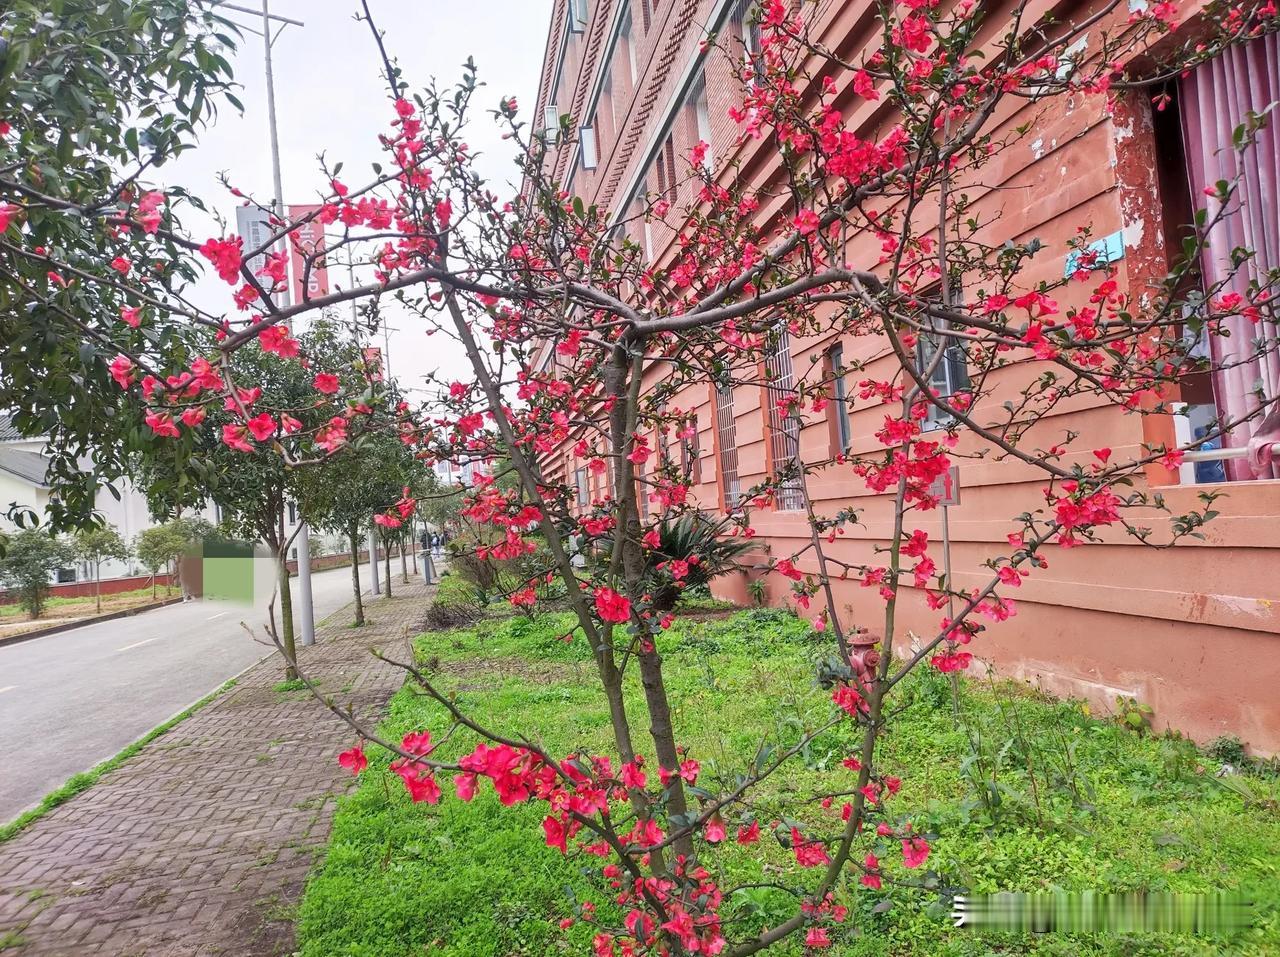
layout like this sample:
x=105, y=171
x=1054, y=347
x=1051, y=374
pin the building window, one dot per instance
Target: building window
x=1238, y=379
x=665, y=167
x=550, y=120
x=584, y=489
x=839, y=398
x=608, y=126
x=748, y=23
x=577, y=15
x=293, y=514
x=727, y=436
x=640, y=215
x=784, y=425
x=646, y=13
x=625, y=34
x=691, y=455
x=702, y=118
x=587, y=142
x=947, y=375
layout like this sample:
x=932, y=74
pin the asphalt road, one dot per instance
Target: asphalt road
x=69, y=701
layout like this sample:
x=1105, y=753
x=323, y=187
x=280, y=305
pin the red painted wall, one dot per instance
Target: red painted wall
x=110, y=586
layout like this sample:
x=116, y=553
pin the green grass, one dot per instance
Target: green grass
x=1110, y=810
x=88, y=601
x=86, y=779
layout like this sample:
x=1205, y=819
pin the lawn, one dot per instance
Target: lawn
x=1027, y=794
x=15, y=620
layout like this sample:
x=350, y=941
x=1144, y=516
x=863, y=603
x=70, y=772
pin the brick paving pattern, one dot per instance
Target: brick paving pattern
x=201, y=844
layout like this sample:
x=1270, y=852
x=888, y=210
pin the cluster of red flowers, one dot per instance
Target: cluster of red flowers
x=225, y=255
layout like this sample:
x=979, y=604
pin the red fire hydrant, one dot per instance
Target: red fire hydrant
x=863, y=655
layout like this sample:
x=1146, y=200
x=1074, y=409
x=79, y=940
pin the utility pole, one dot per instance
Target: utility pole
x=306, y=611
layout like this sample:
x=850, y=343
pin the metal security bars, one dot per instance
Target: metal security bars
x=784, y=425
x=727, y=434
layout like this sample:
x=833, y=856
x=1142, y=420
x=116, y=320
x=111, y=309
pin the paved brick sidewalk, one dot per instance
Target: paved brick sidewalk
x=200, y=844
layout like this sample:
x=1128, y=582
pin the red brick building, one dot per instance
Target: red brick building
x=1194, y=631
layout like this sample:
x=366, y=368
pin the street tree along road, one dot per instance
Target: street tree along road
x=71, y=700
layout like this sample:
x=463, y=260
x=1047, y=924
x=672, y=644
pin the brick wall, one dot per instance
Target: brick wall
x=1183, y=630
x=110, y=586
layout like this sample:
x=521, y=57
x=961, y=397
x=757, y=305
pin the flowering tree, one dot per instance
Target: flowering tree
x=868, y=239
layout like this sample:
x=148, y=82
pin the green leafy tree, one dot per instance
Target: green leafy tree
x=162, y=546
x=31, y=558
x=441, y=505
x=252, y=488
x=368, y=478
x=94, y=93
x=96, y=545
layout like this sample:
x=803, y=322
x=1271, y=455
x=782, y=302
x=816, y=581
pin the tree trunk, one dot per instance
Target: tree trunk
x=404, y=564
x=286, y=618
x=600, y=639
x=354, y=533
x=628, y=560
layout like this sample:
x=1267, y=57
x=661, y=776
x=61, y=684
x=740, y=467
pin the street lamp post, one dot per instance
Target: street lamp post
x=307, y=609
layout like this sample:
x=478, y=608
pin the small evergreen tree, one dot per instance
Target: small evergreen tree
x=31, y=558
x=160, y=547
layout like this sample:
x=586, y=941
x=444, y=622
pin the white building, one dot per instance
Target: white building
x=452, y=473
x=23, y=470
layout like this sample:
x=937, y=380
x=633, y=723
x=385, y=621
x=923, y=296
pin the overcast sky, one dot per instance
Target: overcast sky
x=331, y=98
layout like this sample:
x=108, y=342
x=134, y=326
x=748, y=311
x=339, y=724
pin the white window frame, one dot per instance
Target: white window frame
x=589, y=148
x=551, y=119
x=577, y=16
x=950, y=375
x=702, y=118
x=627, y=34
x=750, y=32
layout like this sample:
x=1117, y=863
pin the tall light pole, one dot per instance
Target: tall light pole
x=306, y=607
x=306, y=611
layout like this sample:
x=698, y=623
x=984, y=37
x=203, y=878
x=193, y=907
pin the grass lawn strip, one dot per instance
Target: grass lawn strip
x=1110, y=810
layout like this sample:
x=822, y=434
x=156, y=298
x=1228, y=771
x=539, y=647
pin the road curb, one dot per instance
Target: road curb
x=84, y=622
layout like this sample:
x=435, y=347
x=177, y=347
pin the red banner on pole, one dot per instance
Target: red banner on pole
x=310, y=276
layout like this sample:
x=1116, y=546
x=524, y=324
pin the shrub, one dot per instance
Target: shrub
x=1228, y=749
x=697, y=543
x=456, y=604
x=494, y=577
